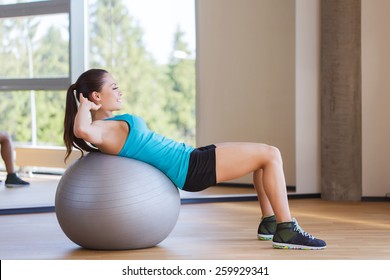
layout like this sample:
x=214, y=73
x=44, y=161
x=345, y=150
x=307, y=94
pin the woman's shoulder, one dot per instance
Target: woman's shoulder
x=132, y=120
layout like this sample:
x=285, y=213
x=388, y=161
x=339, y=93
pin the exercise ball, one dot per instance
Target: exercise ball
x=106, y=202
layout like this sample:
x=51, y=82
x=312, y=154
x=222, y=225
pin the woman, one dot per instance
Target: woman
x=96, y=94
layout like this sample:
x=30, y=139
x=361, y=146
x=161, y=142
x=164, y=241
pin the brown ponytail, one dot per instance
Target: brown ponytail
x=88, y=82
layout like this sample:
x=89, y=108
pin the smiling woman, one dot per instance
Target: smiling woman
x=190, y=169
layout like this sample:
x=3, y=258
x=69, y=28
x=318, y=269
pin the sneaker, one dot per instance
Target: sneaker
x=290, y=235
x=13, y=181
x=266, y=228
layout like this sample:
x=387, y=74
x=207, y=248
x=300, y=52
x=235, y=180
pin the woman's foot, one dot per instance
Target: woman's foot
x=290, y=235
x=13, y=181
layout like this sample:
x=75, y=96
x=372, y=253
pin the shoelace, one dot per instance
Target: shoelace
x=300, y=230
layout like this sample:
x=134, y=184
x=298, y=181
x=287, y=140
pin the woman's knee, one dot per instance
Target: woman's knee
x=273, y=154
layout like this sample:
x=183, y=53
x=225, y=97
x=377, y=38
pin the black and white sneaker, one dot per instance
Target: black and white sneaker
x=290, y=235
x=13, y=181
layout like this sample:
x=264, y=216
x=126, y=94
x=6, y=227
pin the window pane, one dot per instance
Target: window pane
x=17, y=108
x=34, y=47
x=15, y=115
x=149, y=47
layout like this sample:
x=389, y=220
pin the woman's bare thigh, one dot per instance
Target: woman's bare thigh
x=236, y=159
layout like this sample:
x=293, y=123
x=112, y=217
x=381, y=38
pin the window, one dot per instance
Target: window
x=148, y=45
x=34, y=55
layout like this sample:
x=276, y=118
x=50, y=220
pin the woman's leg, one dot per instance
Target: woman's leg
x=7, y=151
x=265, y=205
x=234, y=160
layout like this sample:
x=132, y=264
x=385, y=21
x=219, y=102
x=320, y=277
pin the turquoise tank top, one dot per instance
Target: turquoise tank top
x=169, y=156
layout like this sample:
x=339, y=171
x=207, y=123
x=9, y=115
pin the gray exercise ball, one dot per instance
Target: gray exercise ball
x=106, y=202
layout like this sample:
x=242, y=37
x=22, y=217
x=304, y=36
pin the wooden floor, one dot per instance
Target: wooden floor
x=220, y=231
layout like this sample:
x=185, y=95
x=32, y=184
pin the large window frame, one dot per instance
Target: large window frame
x=34, y=9
x=77, y=47
x=77, y=28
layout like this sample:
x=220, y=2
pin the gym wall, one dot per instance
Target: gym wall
x=258, y=80
x=246, y=75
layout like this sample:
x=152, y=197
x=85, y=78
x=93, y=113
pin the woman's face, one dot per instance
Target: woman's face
x=110, y=95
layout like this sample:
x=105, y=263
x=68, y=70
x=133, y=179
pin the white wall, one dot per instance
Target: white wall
x=376, y=97
x=307, y=92
x=258, y=80
x=246, y=74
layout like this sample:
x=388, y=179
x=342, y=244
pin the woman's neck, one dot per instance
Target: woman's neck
x=101, y=115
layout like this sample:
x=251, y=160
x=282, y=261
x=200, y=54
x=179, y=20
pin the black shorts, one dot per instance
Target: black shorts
x=201, y=170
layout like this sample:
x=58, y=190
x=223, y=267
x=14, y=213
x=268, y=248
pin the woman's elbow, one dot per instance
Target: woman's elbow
x=79, y=132
x=86, y=133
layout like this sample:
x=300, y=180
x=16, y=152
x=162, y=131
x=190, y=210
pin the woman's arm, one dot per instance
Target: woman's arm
x=83, y=128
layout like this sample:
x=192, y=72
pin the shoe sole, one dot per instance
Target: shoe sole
x=15, y=186
x=265, y=237
x=295, y=246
